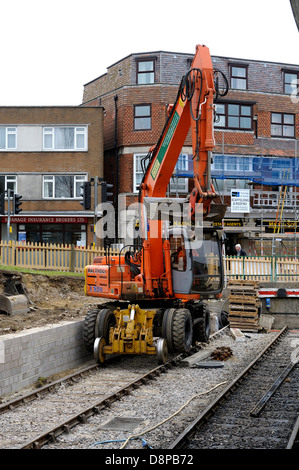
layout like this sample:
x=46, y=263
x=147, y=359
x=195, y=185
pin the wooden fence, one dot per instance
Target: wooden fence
x=73, y=259
x=263, y=268
x=48, y=256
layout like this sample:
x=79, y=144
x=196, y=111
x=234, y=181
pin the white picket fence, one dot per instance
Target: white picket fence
x=263, y=268
x=48, y=256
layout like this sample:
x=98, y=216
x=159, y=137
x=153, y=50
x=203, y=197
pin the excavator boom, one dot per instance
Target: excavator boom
x=193, y=109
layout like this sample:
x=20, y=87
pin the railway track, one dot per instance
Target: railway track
x=257, y=410
x=96, y=384
x=58, y=407
x=58, y=415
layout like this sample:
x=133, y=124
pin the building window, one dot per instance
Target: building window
x=224, y=186
x=234, y=116
x=238, y=77
x=283, y=125
x=291, y=83
x=232, y=164
x=220, y=120
x=8, y=138
x=62, y=186
x=145, y=72
x=175, y=185
x=65, y=138
x=8, y=182
x=65, y=233
x=142, y=117
x=138, y=173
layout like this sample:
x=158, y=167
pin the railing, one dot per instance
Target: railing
x=272, y=199
x=52, y=257
x=71, y=258
x=263, y=268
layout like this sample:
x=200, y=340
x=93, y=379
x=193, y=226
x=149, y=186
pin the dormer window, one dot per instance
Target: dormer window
x=238, y=77
x=145, y=72
x=291, y=83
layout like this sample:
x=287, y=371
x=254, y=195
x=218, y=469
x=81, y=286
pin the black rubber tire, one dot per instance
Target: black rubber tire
x=89, y=330
x=201, y=329
x=105, y=321
x=167, y=327
x=182, y=330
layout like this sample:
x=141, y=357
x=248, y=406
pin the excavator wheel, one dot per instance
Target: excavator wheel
x=161, y=350
x=89, y=329
x=99, y=355
x=201, y=329
x=105, y=320
x=167, y=327
x=182, y=330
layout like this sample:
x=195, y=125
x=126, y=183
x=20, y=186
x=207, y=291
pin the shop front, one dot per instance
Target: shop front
x=233, y=233
x=47, y=229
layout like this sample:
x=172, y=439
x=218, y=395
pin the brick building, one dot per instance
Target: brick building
x=256, y=133
x=46, y=154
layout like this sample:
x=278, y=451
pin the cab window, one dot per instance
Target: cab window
x=177, y=253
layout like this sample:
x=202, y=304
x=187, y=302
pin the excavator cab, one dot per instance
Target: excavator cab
x=196, y=263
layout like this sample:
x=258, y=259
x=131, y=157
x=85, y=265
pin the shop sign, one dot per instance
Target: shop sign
x=274, y=224
x=240, y=200
x=45, y=220
x=229, y=223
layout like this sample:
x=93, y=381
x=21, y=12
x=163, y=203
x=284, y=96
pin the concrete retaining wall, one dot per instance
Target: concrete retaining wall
x=39, y=352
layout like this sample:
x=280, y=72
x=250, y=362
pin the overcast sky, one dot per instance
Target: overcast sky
x=49, y=50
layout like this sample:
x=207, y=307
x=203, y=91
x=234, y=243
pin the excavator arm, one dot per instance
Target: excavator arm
x=193, y=111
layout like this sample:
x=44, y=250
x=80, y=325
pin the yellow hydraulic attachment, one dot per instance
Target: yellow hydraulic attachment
x=132, y=334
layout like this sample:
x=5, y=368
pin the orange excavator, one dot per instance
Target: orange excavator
x=157, y=289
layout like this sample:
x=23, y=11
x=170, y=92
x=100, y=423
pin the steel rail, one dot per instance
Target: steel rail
x=83, y=415
x=96, y=407
x=204, y=416
x=12, y=404
x=47, y=388
x=294, y=438
x=256, y=411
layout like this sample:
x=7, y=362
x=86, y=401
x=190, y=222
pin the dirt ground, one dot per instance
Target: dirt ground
x=51, y=299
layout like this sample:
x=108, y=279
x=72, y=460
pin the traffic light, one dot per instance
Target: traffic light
x=105, y=193
x=2, y=203
x=86, y=203
x=17, y=203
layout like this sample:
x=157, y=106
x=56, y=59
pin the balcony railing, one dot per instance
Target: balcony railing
x=274, y=198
